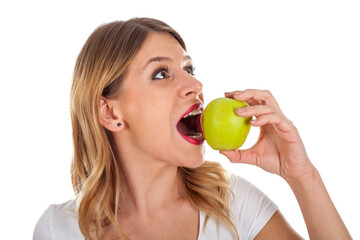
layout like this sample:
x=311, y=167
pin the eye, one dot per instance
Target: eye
x=190, y=69
x=160, y=74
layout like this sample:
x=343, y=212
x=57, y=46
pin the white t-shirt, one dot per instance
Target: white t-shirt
x=251, y=208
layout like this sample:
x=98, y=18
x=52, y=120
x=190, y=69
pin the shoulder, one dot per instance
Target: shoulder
x=59, y=221
x=251, y=207
x=251, y=210
x=244, y=191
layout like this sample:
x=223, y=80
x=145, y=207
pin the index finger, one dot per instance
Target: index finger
x=231, y=94
x=264, y=96
x=250, y=102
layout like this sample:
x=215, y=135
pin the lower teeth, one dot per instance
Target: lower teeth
x=194, y=134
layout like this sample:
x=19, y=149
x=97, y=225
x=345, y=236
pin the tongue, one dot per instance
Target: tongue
x=183, y=129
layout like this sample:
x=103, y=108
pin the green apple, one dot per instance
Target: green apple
x=223, y=128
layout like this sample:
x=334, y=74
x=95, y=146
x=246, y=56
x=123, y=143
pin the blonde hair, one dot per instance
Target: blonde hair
x=96, y=176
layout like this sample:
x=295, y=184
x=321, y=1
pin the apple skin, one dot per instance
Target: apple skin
x=223, y=128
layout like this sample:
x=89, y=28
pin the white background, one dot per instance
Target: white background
x=307, y=53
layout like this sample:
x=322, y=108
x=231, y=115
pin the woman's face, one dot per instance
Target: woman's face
x=157, y=92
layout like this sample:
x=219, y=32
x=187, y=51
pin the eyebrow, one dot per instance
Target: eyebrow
x=164, y=59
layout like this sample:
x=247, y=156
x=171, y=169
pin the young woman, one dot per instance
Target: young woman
x=138, y=171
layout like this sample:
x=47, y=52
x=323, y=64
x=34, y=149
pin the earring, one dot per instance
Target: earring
x=119, y=124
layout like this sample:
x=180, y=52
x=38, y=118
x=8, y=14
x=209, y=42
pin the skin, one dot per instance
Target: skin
x=150, y=149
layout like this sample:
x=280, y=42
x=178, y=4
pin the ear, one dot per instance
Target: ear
x=108, y=117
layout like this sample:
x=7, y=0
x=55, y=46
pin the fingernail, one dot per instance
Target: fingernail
x=223, y=152
x=240, y=110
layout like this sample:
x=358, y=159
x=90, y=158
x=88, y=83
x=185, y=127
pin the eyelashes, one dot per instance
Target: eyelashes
x=190, y=69
x=163, y=72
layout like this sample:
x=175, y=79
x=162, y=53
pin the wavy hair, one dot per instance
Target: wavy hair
x=95, y=174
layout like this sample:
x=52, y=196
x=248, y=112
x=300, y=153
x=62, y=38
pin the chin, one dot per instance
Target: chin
x=192, y=161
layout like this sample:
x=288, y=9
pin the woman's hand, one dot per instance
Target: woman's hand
x=279, y=148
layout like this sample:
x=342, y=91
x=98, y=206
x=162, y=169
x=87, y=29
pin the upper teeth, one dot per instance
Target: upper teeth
x=193, y=113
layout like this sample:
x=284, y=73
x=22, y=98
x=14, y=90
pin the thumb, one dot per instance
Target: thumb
x=240, y=156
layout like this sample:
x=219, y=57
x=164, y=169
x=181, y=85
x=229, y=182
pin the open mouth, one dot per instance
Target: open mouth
x=189, y=125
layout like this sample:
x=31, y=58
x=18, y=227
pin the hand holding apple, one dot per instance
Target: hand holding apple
x=279, y=148
x=223, y=129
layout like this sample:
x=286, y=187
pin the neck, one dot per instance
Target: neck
x=151, y=184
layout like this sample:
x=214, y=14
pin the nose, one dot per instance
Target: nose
x=190, y=87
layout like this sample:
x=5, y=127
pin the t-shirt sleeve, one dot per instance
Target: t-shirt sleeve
x=252, y=208
x=42, y=229
x=59, y=221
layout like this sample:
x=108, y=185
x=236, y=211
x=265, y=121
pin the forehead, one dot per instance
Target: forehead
x=158, y=45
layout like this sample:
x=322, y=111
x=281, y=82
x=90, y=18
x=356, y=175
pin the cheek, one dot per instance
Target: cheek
x=149, y=117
